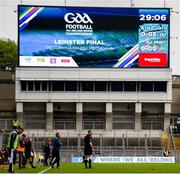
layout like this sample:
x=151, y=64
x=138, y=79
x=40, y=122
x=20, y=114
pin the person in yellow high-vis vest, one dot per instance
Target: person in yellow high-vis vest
x=12, y=145
x=15, y=123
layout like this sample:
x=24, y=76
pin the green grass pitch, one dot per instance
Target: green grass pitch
x=102, y=168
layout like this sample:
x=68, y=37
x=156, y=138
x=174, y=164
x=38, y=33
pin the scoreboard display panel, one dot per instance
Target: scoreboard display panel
x=91, y=37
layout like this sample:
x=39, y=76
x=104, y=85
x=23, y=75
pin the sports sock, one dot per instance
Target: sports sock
x=90, y=163
x=85, y=162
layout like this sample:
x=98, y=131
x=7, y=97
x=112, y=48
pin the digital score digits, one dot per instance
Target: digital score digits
x=150, y=17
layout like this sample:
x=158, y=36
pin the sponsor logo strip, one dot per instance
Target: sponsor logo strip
x=153, y=60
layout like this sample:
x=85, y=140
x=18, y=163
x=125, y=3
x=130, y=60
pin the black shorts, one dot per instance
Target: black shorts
x=87, y=151
x=27, y=155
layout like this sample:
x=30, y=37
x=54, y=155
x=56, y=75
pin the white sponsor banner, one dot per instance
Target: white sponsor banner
x=49, y=61
x=116, y=159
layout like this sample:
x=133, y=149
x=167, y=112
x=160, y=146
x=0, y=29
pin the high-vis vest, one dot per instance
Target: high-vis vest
x=15, y=143
x=41, y=157
x=15, y=123
x=20, y=149
x=32, y=154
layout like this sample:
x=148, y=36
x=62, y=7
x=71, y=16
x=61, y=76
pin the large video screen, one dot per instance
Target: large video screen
x=91, y=37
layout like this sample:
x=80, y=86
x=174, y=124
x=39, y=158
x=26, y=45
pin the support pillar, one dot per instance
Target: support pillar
x=138, y=110
x=167, y=115
x=19, y=113
x=109, y=116
x=49, y=118
x=1, y=140
x=79, y=116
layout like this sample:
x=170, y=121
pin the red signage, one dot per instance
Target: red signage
x=153, y=60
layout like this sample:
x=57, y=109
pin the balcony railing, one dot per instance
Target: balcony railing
x=64, y=124
x=93, y=124
x=153, y=124
x=6, y=124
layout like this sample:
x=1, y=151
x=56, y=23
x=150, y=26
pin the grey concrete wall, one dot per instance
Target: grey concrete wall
x=123, y=107
x=153, y=108
x=49, y=121
x=92, y=74
x=64, y=107
x=7, y=92
x=100, y=107
x=166, y=122
x=176, y=95
x=138, y=111
x=79, y=117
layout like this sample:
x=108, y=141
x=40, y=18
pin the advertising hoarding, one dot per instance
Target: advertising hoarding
x=126, y=159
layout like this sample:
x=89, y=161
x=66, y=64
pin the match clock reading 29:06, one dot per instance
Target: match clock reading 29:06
x=149, y=17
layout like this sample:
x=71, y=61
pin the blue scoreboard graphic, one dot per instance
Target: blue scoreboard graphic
x=91, y=37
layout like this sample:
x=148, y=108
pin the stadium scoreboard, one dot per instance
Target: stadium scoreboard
x=91, y=37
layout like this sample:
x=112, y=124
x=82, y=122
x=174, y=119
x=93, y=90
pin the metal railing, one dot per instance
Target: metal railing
x=6, y=124
x=93, y=124
x=100, y=140
x=35, y=124
x=123, y=124
x=67, y=124
x=153, y=124
x=67, y=153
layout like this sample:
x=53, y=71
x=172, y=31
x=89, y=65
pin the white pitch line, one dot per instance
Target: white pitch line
x=115, y=173
x=44, y=170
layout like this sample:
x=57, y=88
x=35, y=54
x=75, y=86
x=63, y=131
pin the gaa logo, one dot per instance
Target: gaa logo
x=77, y=18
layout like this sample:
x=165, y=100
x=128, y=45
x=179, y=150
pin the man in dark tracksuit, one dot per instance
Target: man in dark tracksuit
x=28, y=152
x=12, y=145
x=56, y=150
x=88, y=149
x=47, y=150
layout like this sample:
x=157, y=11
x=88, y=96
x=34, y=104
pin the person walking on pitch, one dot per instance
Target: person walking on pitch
x=88, y=149
x=12, y=146
x=56, y=150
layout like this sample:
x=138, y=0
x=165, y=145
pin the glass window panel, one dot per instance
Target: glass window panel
x=71, y=86
x=129, y=86
x=87, y=86
x=116, y=86
x=100, y=86
x=37, y=86
x=23, y=85
x=57, y=85
x=160, y=86
x=146, y=86
x=30, y=85
x=44, y=85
